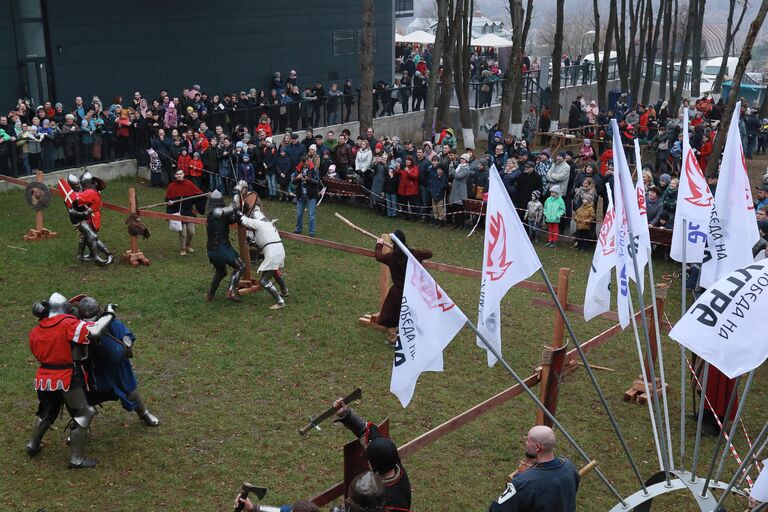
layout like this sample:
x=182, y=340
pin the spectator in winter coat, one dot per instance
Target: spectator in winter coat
x=459, y=192
x=543, y=164
x=509, y=177
x=363, y=161
x=585, y=224
x=587, y=153
x=408, y=187
x=438, y=185
x=391, y=184
x=283, y=173
x=246, y=171
x=182, y=162
x=669, y=199
x=653, y=205
x=554, y=209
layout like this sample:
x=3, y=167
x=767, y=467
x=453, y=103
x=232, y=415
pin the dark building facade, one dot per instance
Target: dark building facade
x=59, y=49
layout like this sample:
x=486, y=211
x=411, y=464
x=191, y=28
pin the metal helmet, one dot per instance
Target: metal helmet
x=216, y=200
x=242, y=186
x=88, y=308
x=86, y=179
x=57, y=305
x=74, y=182
x=366, y=493
x=40, y=309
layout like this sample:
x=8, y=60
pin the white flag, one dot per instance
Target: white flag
x=598, y=297
x=622, y=202
x=759, y=491
x=640, y=228
x=508, y=258
x=732, y=227
x=694, y=204
x=429, y=320
x=726, y=325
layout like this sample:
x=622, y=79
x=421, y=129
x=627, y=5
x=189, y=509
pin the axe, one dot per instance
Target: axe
x=260, y=492
x=315, y=422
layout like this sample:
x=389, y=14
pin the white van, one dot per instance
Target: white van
x=712, y=67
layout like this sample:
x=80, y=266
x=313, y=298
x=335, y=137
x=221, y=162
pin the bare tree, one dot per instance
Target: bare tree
x=690, y=27
x=511, y=98
x=442, y=118
x=698, y=21
x=464, y=14
x=730, y=34
x=652, y=46
x=557, y=52
x=437, y=56
x=366, y=68
x=602, y=80
x=741, y=67
x=637, y=51
x=665, y=48
x=596, y=51
x=621, y=47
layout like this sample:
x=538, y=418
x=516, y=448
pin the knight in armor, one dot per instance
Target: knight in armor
x=264, y=237
x=383, y=458
x=110, y=370
x=220, y=251
x=60, y=344
x=85, y=213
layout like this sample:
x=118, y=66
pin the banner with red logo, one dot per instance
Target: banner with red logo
x=641, y=226
x=429, y=320
x=508, y=258
x=597, y=300
x=69, y=194
x=732, y=227
x=694, y=205
x=726, y=325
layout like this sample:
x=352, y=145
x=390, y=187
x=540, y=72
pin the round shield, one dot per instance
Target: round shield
x=38, y=196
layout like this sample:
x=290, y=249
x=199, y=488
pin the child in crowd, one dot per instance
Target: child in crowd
x=391, y=183
x=155, y=168
x=554, y=209
x=585, y=224
x=534, y=215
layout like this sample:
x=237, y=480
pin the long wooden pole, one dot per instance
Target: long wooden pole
x=549, y=396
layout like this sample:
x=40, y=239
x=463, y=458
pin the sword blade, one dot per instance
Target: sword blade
x=314, y=422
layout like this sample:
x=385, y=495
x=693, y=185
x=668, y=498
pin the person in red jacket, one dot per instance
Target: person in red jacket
x=606, y=157
x=408, y=188
x=182, y=163
x=264, y=124
x=196, y=170
x=705, y=152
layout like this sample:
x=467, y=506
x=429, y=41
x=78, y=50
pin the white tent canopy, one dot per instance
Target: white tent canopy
x=419, y=37
x=491, y=40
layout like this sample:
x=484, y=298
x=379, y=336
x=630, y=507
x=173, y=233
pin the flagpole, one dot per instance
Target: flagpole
x=721, y=436
x=755, y=457
x=743, y=465
x=546, y=412
x=592, y=377
x=699, y=421
x=660, y=355
x=645, y=383
x=735, y=424
x=683, y=365
x=649, y=358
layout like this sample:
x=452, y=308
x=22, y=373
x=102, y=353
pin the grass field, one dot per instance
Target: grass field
x=232, y=383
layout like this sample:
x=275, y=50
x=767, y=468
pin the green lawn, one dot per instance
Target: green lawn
x=232, y=383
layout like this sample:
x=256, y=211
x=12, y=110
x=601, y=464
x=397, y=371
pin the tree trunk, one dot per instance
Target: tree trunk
x=690, y=27
x=511, y=111
x=741, y=67
x=696, y=49
x=557, y=52
x=637, y=67
x=462, y=69
x=621, y=48
x=596, y=51
x=671, y=62
x=665, y=48
x=366, y=69
x=603, y=79
x=437, y=56
x=729, y=36
x=635, y=14
x=442, y=118
x=652, y=48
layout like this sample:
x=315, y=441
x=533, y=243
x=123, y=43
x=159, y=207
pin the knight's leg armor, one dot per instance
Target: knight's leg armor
x=267, y=285
x=82, y=414
x=236, y=275
x=215, y=282
x=141, y=410
x=81, y=244
x=47, y=411
x=281, y=283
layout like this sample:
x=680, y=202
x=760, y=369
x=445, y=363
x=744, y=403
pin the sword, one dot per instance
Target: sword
x=315, y=422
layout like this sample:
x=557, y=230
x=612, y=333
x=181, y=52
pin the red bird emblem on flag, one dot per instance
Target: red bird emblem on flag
x=496, y=262
x=700, y=194
x=430, y=292
x=608, y=245
x=641, y=201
